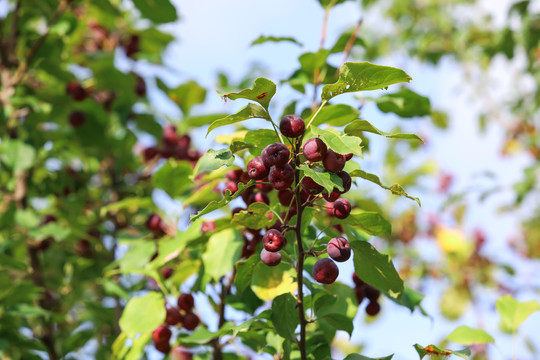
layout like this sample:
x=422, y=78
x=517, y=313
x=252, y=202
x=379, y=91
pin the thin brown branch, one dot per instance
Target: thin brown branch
x=350, y=44
x=12, y=40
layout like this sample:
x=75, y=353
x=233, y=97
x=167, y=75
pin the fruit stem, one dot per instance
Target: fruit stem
x=316, y=113
x=300, y=264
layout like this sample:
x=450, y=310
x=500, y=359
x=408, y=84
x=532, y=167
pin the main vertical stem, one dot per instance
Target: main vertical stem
x=300, y=263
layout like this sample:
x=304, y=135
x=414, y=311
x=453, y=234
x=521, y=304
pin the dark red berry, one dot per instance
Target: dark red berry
x=325, y=271
x=186, y=302
x=373, y=308
x=347, y=181
x=167, y=272
x=77, y=119
x=208, y=226
x=256, y=169
x=342, y=208
x=276, y=154
x=281, y=177
x=270, y=258
x=285, y=197
x=163, y=347
x=162, y=334
x=333, y=161
x=310, y=186
x=77, y=92
x=191, y=321
x=231, y=187
x=292, y=126
x=339, y=249
x=259, y=197
x=314, y=149
x=172, y=316
x=273, y=240
x=333, y=196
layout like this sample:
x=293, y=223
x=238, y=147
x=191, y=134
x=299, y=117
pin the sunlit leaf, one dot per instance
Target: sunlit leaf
x=357, y=128
x=173, y=177
x=249, y=111
x=396, y=189
x=285, y=315
x=213, y=159
x=371, y=222
x=465, y=335
x=224, y=248
x=151, y=305
x=376, y=269
x=432, y=350
x=263, y=39
x=271, y=281
x=405, y=103
x=262, y=92
x=342, y=144
x=363, y=76
x=513, y=312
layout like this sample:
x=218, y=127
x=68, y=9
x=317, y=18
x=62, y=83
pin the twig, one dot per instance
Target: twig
x=349, y=44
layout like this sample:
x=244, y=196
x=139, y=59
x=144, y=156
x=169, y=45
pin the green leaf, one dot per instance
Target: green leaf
x=396, y=189
x=370, y=222
x=324, y=178
x=213, y=159
x=363, y=76
x=342, y=144
x=261, y=138
x=254, y=217
x=339, y=322
x=138, y=256
x=173, y=177
x=435, y=351
x=285, y=315
x=186, y=95
x=196, y=121
x=151, y=305
x=262, y=39
x=249, y=111
x=158, y=11
x=17, y=155
x=360, y=357
x=336, y=115
x=357, y=128
x=214, y=205
x=465, y=335
x=405, y=103
x=224, y=248
x=410, y=299
x=244, y=273
x=376, y=269
x=341, y=43
x=271, y=281
x=262, y=92
x=513, y=312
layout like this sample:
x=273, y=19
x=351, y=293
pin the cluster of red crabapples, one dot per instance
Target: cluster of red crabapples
x=174, y=146
x=273, y=171
x=182, y=314
x=362, y=291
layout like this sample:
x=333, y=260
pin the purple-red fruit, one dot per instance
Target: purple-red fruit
x=264, y=186
x=163, y=347
x=140, y=86
x=256, y=169
x=372, y=293
x=285, y=197
x=314, y=149
x=259, y=197
x=339, y=249
x=348, y=156
x=310, y=186
x=281, y=177
x=347, y=181
x=191, y=321
x=270, y=258
x=208, y=226
x=77, y=119
x=172, y=316
x=234, y=175
x=333, y=161
x=77, y=92
x=167, y=272
x=273, y=240
x=179, y=353
x=150, y=152
x=231, y=186
x=333, y=196
x=153, y=223
x=276, y=154
x=325, y=271
x=186, y=302
x=292, y=126
x=373, y=308
x=342, y=208
x=162, y=334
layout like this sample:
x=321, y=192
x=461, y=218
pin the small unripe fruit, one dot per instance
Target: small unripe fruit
x=310, y=186
x=270, y=258
x=77, y=119
x=172, y=316
x=339, y=249
x=256, y=169
x=273, y=240
x=276, y=154
x=186, y=302
x=314, y=149
x=162, y=334
x=191, y=321
x=281, y=177
x=333, y=161
x=325, y=271
x=292, y=126
x=373, y=308
x=347, y=181
x=342, y=208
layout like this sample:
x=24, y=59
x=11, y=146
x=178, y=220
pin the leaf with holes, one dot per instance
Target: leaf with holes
x=214, y=159
x=363, y=76
x=262, y=92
